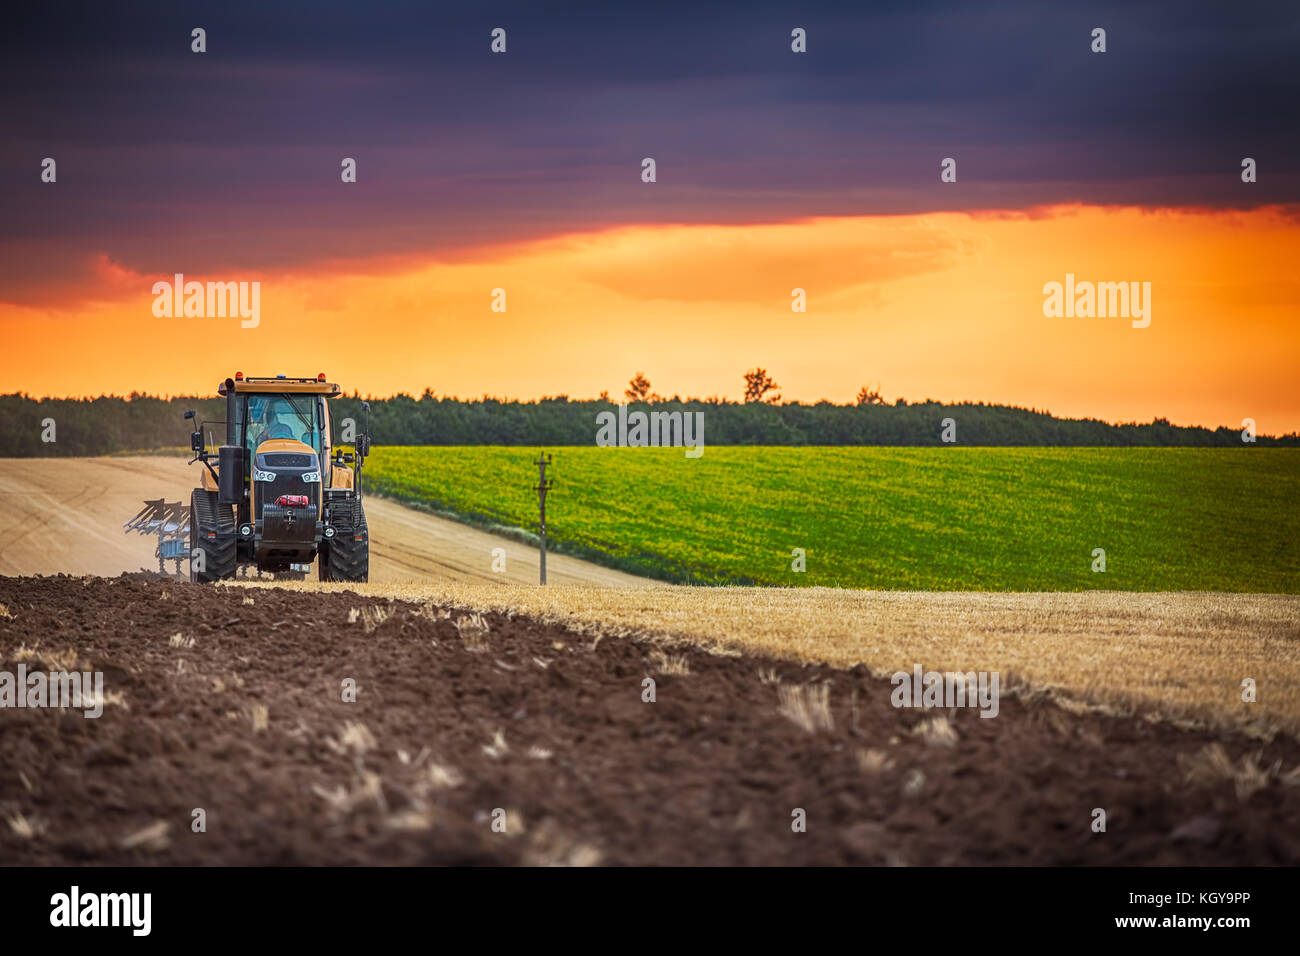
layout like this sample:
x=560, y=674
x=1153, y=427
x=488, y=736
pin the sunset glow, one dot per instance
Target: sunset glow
x=941, y=305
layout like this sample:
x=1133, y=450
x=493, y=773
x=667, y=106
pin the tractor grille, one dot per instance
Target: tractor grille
x=289, y=460
x=288, y=480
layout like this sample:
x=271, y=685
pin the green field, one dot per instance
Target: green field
x=913, y=518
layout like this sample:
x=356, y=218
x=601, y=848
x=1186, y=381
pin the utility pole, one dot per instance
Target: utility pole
x=544, y=485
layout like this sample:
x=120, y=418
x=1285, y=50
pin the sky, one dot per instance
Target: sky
x=775, y=171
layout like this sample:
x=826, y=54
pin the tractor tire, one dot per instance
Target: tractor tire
x=206, y=516
x=346, y=556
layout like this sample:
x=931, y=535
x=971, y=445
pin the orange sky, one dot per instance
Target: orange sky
x=946, y=306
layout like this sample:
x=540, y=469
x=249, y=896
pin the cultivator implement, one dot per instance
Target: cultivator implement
x=170, y=521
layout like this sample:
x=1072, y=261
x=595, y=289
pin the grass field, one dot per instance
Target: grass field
x=1018, y=519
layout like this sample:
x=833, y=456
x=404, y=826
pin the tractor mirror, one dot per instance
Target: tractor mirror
x=196, y=441
x=363, y=445
x=189, y=414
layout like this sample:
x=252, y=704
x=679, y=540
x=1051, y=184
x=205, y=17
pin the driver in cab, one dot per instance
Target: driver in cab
x=266, y=420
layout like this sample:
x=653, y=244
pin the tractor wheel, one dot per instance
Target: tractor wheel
x=208, y=517
x=346, y=556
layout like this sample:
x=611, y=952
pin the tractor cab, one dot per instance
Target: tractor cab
x=284, y=417
x=280, y=494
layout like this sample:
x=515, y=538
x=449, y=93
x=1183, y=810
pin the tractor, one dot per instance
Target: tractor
x=279, y=492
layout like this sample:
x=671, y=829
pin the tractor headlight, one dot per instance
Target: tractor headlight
x=329, y=532
x=246, y=530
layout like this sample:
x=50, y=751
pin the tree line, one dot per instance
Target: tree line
x=32, y=427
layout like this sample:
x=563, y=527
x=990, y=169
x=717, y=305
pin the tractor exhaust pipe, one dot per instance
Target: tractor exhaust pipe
x=230, y=457
x=232, y=426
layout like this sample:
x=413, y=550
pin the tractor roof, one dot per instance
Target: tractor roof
x=276, y=384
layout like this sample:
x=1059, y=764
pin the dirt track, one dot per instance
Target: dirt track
x=449, y=724
x=65, y=515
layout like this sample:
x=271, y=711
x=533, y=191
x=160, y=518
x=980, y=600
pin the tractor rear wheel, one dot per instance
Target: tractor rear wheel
x=346, y=556
x=212, y=532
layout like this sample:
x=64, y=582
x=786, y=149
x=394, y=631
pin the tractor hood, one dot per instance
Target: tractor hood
x=287, y=445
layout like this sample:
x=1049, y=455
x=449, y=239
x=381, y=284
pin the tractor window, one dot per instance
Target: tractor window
x=283, y=416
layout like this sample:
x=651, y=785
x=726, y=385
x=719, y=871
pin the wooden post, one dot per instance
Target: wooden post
x=544, y=485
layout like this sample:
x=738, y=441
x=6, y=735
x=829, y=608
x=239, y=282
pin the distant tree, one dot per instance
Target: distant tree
x=638, y=388
x=604, y=396
x=757, y=384
x=108, y=424
x=871, y=396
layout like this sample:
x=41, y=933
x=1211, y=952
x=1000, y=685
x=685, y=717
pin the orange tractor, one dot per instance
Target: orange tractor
x=279, y=493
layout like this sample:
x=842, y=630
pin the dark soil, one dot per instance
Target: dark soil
x=708, y=774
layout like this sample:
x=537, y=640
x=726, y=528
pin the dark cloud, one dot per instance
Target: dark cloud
x=171, y=160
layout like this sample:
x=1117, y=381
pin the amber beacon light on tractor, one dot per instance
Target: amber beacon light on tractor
x=280, y=492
